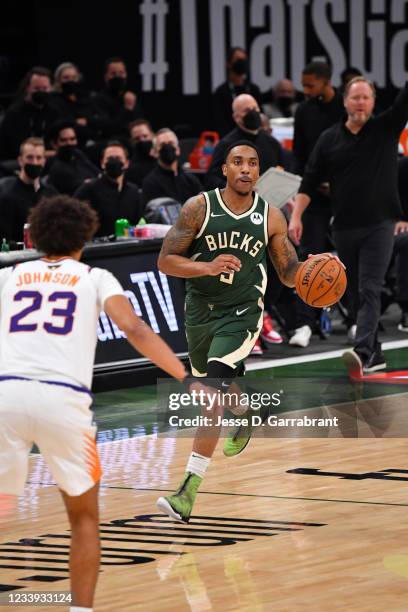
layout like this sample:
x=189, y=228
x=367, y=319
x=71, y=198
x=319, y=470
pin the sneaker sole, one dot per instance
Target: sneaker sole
x=269, y=341
x=240, y=450
x=380, y=366
x=402, y=328
x=163, y=505
x=353, y=364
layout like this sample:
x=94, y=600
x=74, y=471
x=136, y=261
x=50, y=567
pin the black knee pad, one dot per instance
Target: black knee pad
x=223, y=374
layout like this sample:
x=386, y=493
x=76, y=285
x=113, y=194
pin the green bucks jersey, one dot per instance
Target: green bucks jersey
x=244, y=235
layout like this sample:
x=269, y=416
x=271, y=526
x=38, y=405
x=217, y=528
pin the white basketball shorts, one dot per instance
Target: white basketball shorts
x=58, y=419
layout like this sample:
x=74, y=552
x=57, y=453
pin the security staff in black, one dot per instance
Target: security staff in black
x=219, y=244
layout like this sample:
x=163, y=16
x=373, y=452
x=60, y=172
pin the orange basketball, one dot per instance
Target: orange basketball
x=320, y=281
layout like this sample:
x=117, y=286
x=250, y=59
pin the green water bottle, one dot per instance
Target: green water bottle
x=121, y=225
x=4, y=246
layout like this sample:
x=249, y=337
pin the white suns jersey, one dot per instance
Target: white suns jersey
x=48, y=319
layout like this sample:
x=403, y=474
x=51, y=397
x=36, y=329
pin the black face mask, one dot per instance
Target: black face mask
x=33, y=171
x=116, y=85
x=284, y=102
x=39, y=98
x=252, y=120
x=67, y=152
x=167, y=154
x=70, y=87
x=240, y=66
x=143, y=147
x=114, y=167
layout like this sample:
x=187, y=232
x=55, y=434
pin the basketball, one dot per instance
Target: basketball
x=320, y=281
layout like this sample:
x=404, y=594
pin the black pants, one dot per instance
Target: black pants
x=401, y=267
x=316, y=221
x=366, y=253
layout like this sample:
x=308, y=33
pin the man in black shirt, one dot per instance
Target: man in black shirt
x=30, y=116
x=168, y=179
x=116, y=104
x=359, y=160
x=142, y=160
x=237, y=83
x=322, y=108
x=247, y=117
x=70, y=167
x=20, y=193
x=111, y=195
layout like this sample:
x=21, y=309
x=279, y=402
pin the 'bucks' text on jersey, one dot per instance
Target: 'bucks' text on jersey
x=244, y=235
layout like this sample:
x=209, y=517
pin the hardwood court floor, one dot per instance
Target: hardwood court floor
x=262, y=537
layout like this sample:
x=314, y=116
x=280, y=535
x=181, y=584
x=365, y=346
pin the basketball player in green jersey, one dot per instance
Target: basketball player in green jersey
x=219, y=245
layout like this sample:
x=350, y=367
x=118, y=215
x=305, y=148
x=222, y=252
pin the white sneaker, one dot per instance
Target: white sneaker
x=351, y=334
x=301, y=337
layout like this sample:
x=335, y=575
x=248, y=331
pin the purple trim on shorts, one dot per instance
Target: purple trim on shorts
x=50, y=382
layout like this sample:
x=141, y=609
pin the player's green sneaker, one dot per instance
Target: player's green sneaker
x=237, y=440
x=180, y=505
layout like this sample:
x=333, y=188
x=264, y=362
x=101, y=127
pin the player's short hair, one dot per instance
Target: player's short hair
x=61, y=225
x=35, y=141
x=359, y=79
x=137, y=122
x=241, y=143
x=114, y=59
x=321, y=70
x=115, y=143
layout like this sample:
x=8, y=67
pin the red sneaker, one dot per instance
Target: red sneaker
x=268, y=334
x=257, y=350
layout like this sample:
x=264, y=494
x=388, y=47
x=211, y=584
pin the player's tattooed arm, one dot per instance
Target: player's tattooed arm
x=281, y=250
x=173, y=259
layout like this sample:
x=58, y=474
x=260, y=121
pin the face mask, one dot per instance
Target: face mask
x=33, y=171
x=252, y=120
x=70, y=87
x=114, y=167
x=143, y=147
x=240, y=66
x=66, y=152
x=167, y=154
x=284, y=102
x=39, y=98
x=116, y=85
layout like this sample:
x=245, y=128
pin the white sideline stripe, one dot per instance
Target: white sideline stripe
x=276, y=363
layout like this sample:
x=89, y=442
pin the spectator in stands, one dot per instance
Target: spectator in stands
x=111, y=195
x=247, y=117
x=70, y=167
x=168, y=179
x=283, y=100
x=74, y=102
x=22, y=192
x=31, y=115
x=237, y=83
x=142, y=160
x=117, y=105
x=322, y=108
x=358, y=157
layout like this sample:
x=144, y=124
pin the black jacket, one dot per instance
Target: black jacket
x=68, y=176
x=160, y=183
x=362, y=168
x=223, y=97
x=23, y=120
x=110, y=203
x=16, y=199
x=269, y=148
x=113, y=118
